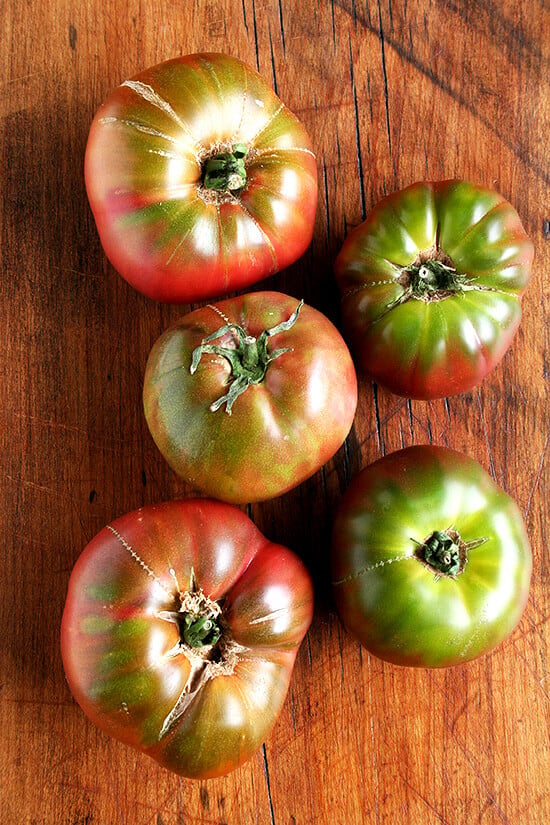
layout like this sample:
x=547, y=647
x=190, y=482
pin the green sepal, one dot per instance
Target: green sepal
x=249, y=359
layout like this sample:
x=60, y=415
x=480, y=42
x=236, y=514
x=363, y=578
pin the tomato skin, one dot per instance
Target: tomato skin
x=388, y=599
x=421, y=348
x=167, y=234
x=116, y=647
x=280, y=431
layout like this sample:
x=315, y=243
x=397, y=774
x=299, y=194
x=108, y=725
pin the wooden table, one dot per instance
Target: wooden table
x=390, y=93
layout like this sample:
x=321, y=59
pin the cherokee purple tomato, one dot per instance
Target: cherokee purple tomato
x=431, y=562
x=431, y=286
x=249, y=397
x=200, y=180
x=180, y=632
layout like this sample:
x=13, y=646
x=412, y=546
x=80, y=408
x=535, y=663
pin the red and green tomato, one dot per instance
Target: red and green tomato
x=248, y=397
x=180, y=632
x=200, y=180
x=431, y=562
x=431, y=285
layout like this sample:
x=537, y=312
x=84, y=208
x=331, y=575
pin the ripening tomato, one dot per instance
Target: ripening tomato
x=200, y=180
x=431, y=286
x=249, y=397
x=180, y=632
x=431, y=562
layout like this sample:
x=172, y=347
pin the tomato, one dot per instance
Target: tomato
x=431, y=286
x=180, y=632
x=200, y=180
x=431, y=562
x=249, y=397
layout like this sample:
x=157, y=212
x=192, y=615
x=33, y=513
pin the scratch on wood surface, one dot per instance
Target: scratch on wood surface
x=409, y=410
x=333, y=22
x=488, y=444
x=341, y=654
x=476, y=771
x=537, y=478
x=357, y=134
x=373, y=745
x=21, y=482
x=111, y=774
x=21, y=93
x=272, y=59
x=426, y=802
x=292, y=710
x=379, y=437
x=538, y=680
x=325, y=192
x=255, y=30
x=308, y=646
x=35, y=420
x=384, y=75
x=244, y=17
x=281, y=26
x=268, y=785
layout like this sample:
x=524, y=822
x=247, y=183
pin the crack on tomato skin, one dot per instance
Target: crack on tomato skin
x=151, y=97
x=144, y=566
x=202, y=670
x=357, y=574
x=148, y=94
x=349, y=293
x=267, y=124
x=273, y=150
x=434, y=299
x=218, y=311
x=263, y=233
x=139, y=127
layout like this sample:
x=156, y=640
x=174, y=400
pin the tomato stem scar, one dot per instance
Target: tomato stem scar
x=445, y=553
x=226, y=171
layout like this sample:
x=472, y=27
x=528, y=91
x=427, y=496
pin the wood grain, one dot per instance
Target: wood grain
x=390, y=93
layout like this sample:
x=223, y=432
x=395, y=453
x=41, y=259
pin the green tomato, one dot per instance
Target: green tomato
x=431, y=563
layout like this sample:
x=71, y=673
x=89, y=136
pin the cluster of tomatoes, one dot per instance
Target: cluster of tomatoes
x=182, y=621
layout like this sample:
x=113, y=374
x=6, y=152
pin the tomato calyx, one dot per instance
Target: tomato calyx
x=445, y=553
x=248, y=356
x=432, y=276
x=197, y=620
x=225, y=171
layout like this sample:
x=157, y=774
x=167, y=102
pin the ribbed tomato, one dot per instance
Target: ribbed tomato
x=200, y=180
x=249, y=397
x=431, y=561
x=431, y=286
x=180, y=632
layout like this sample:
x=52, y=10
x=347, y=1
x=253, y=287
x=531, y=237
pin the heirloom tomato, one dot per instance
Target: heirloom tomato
x=180, y=632
x=247, y=398
x=200, y=180
x=431, y=286
x=431, y=562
